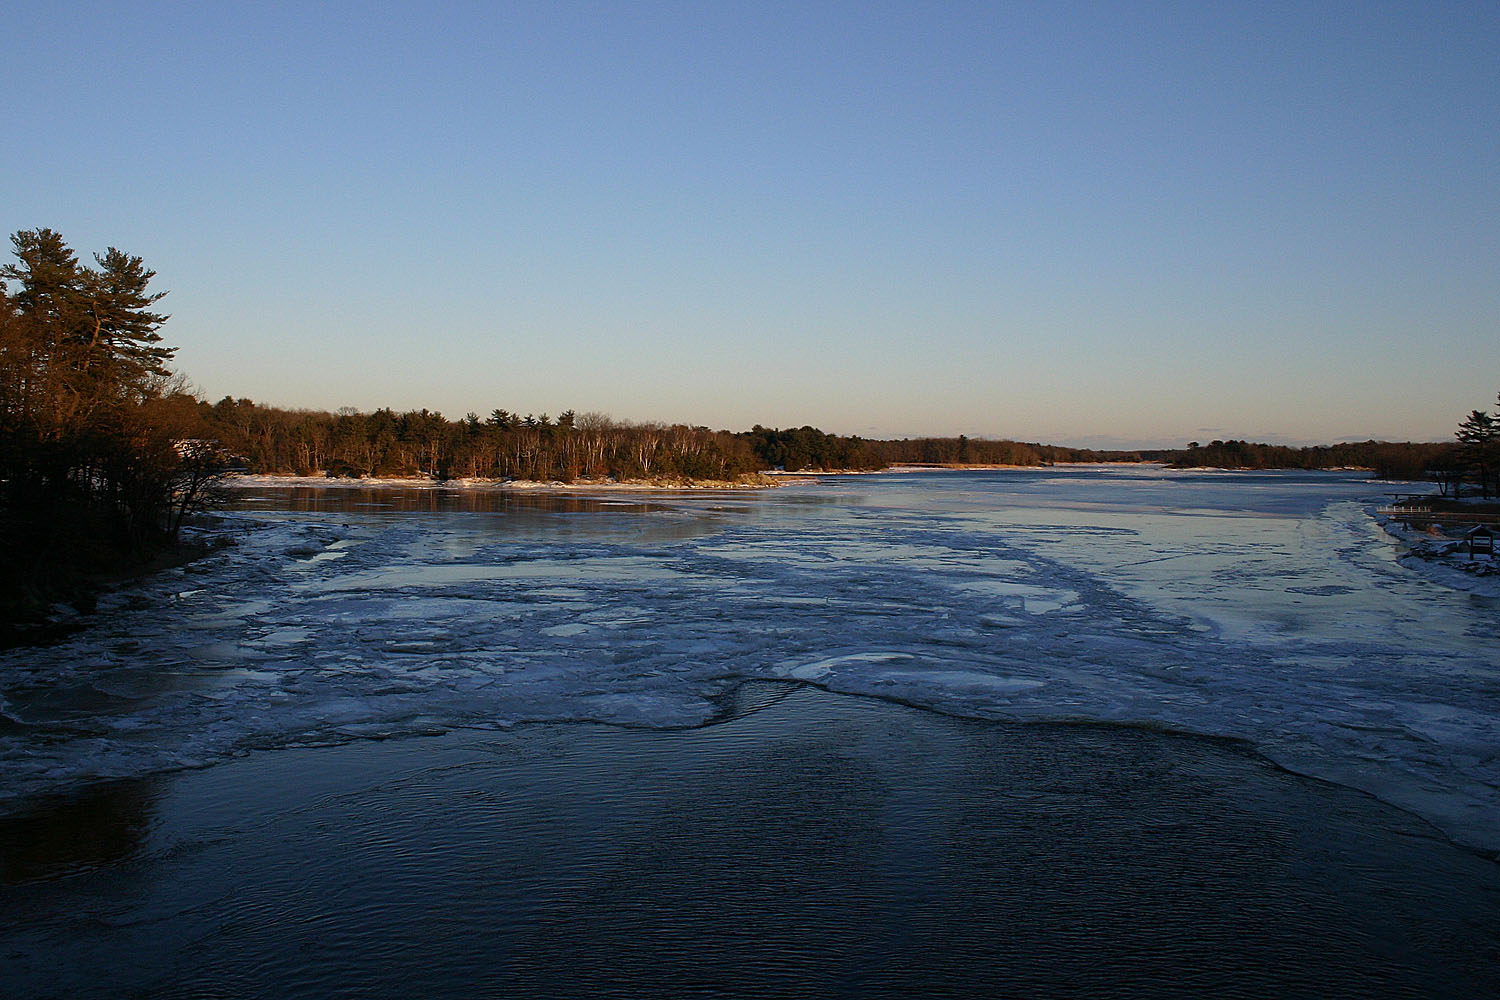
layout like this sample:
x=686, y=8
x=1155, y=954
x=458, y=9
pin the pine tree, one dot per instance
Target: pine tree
x=92, y=338
x=50, y=278
x=43, y=356
x=1478, y=437
x=123, y=327
x=99, y=451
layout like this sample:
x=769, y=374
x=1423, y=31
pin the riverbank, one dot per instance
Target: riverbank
x=803, y=845
x=45, y=608
x=1440, y=551
x=755, y=482
x=906, y=468
x=981, y=467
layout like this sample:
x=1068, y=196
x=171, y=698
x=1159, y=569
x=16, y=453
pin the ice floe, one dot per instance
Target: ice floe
x=1265, y=607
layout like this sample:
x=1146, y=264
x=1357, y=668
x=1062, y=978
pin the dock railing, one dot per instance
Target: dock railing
x=1426, y=513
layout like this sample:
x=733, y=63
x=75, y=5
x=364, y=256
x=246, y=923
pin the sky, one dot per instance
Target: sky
x=1101, y=224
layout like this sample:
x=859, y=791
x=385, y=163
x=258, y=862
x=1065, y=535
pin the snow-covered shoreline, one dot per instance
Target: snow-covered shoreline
x=246, y=481
x=1442, y=557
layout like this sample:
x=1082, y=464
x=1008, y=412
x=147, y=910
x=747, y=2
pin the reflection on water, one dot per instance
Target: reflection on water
x=101, y=825
x=372, y=499
x=519, y=515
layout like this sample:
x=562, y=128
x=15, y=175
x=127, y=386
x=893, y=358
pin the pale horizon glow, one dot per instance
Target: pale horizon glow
x=1110, y=225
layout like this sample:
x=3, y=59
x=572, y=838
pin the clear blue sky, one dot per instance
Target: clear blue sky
x=1080, y=223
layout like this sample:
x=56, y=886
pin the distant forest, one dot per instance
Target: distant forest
x=1387, y=459
x=506, y=445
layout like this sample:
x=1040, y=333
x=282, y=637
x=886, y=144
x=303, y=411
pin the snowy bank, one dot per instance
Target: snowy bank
x=1442, y=555
x=578, y=486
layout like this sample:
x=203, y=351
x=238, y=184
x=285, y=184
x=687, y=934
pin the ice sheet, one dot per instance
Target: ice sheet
x=1269, y=608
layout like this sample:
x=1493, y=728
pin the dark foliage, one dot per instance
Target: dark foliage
x=98, y=457
x=501, y=446
x=506, y=445
x=1387, y=459
x=1478, y=453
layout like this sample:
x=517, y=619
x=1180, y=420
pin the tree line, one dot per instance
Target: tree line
x=504, y=445
x=1387, y=459
x=573, y=447
x=1470, y=461
x=591, y=446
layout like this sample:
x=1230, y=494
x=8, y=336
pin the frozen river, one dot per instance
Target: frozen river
x=1267, y=608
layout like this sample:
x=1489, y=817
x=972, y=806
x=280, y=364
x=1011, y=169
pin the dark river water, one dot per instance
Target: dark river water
x=807, y=845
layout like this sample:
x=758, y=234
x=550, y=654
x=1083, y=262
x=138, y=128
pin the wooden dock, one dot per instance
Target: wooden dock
x=1426, y=509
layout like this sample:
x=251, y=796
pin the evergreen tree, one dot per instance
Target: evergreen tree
x=100, y=454
x=1478, y=437
x=123, y=325
x=92, y=340
x=51, y=281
